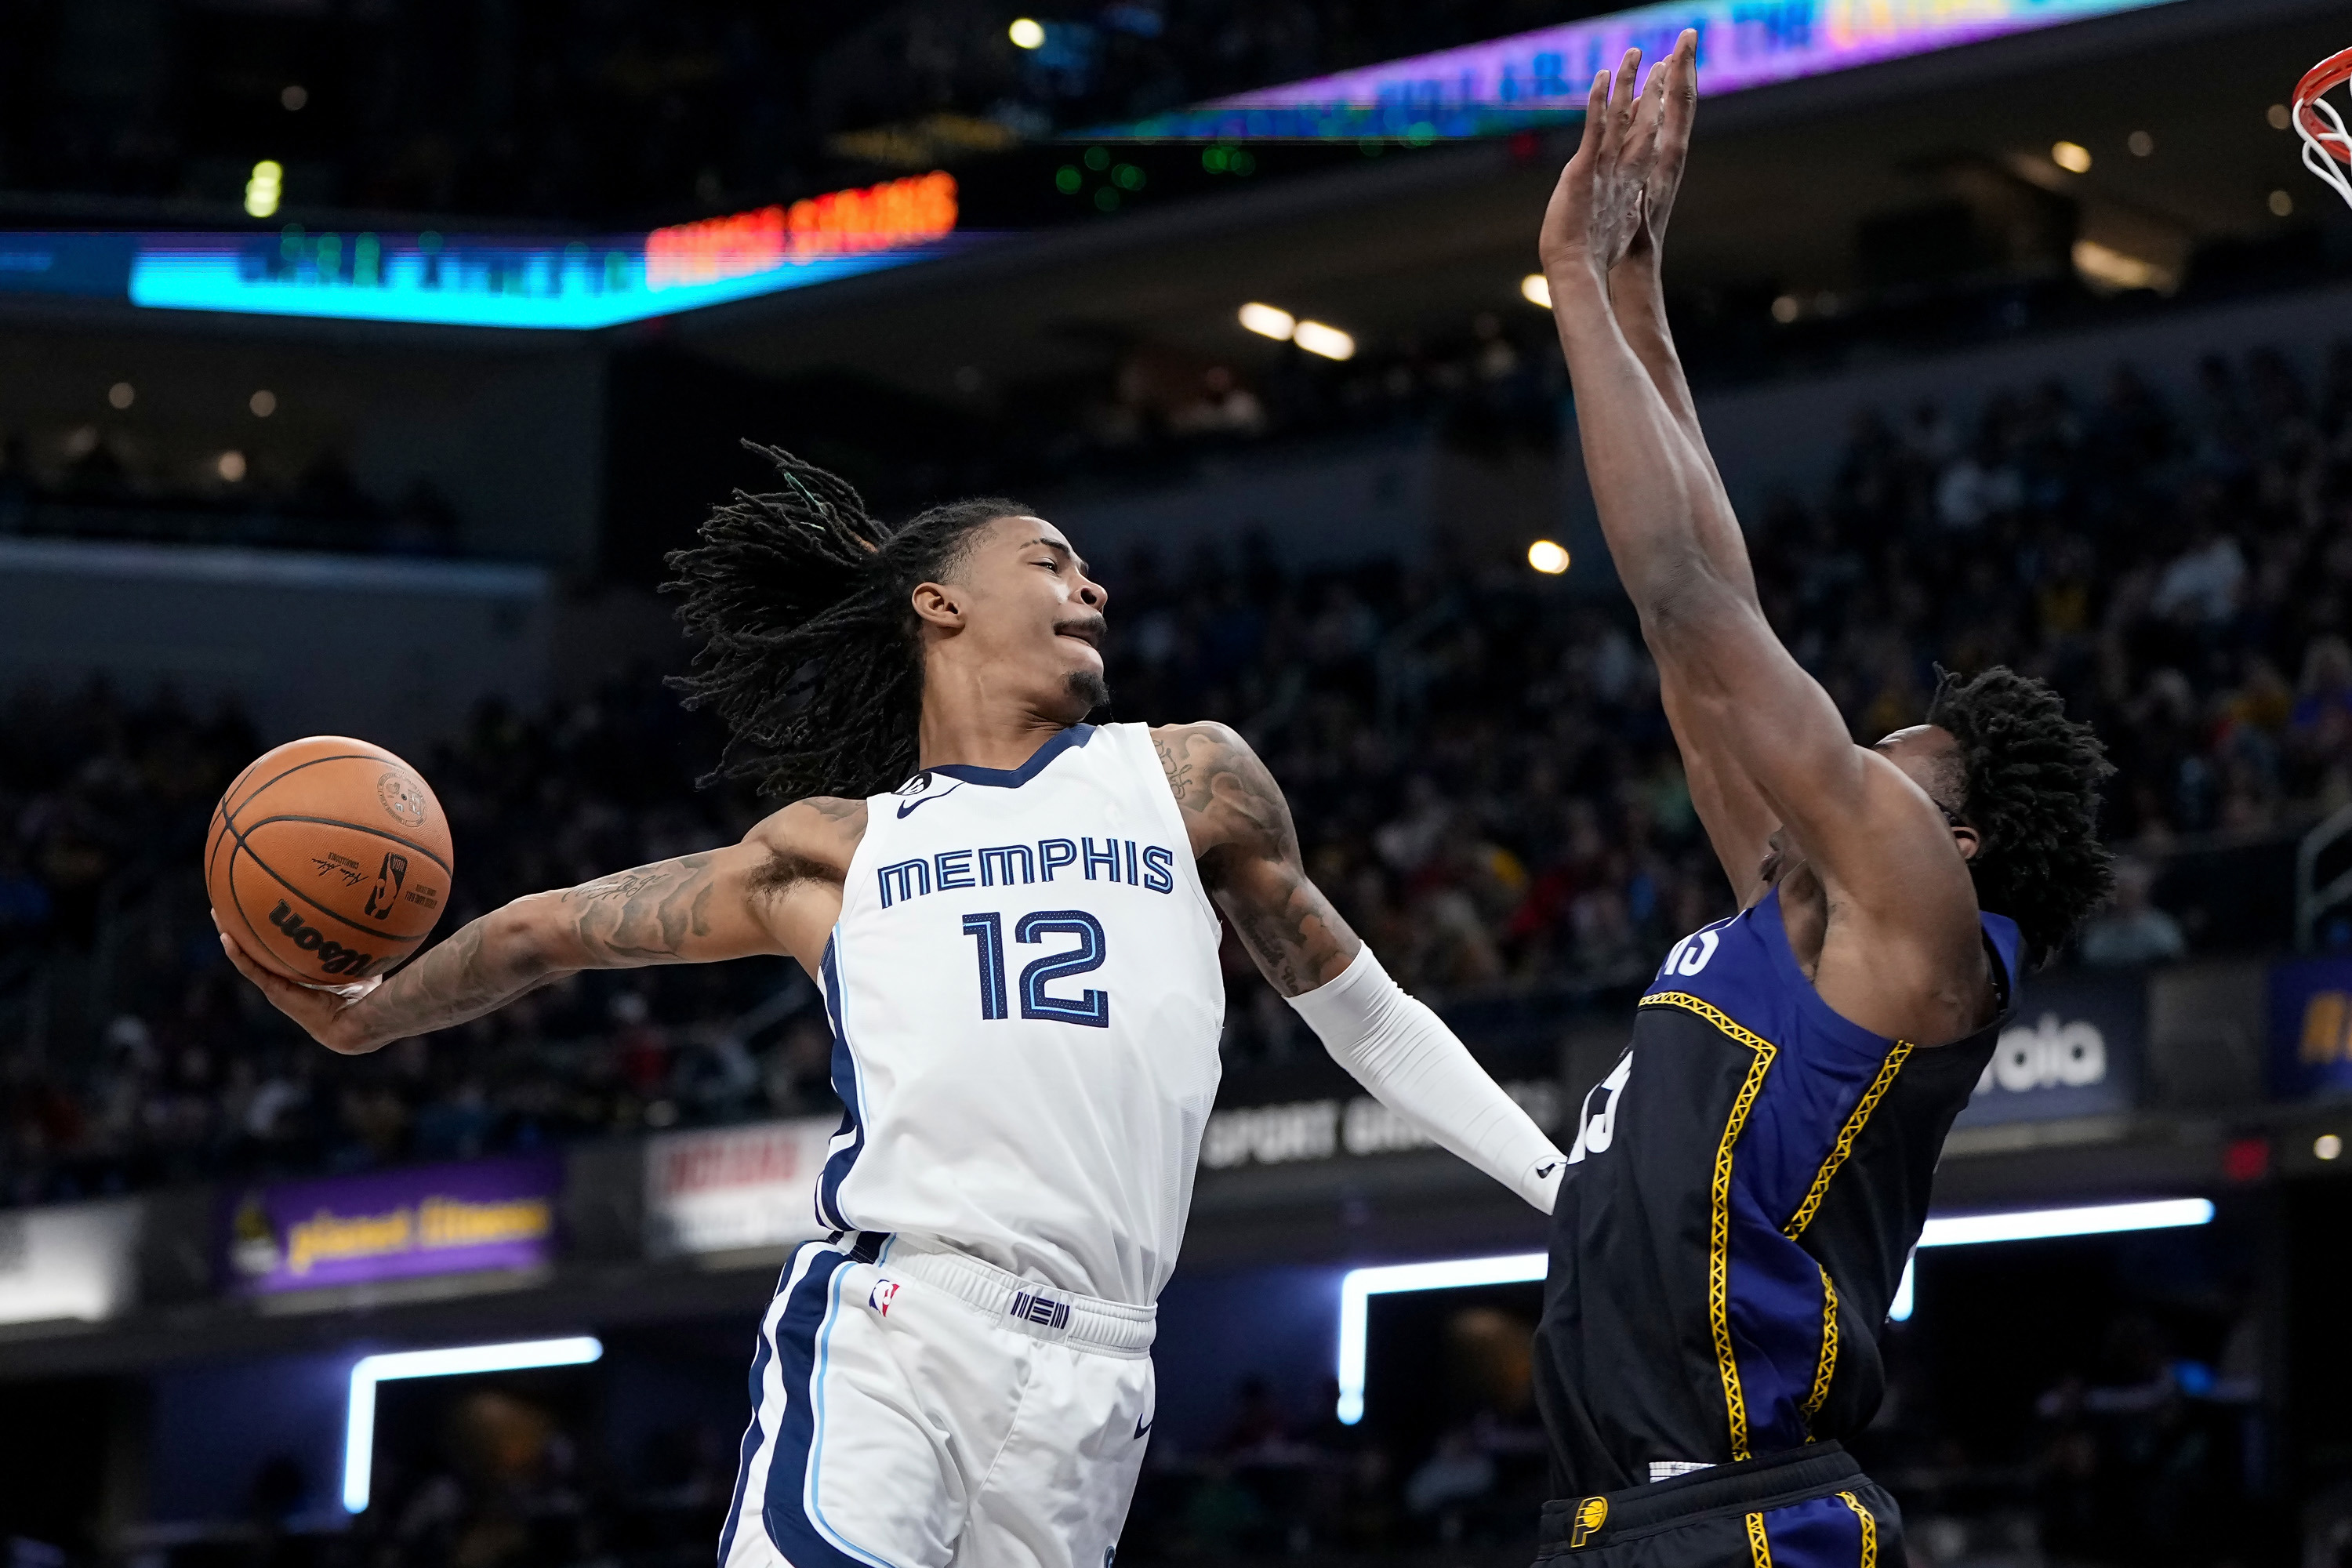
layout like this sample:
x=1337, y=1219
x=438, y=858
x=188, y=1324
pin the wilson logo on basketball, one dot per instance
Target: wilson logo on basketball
x=333, y=956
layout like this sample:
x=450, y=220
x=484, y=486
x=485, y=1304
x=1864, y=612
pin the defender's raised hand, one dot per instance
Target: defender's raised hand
x=1670, y=99
x=1596, y=210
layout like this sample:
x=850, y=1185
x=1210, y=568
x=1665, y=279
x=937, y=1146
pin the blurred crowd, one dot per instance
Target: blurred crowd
x=111, y=482
x=621, y=113
x=1479, y=764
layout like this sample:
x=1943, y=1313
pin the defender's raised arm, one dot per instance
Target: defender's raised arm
x=1763, y=735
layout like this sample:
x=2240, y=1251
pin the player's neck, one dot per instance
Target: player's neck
x=969, y=728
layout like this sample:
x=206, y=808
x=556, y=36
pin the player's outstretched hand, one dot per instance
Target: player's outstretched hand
x=325, y=1014
x=1671, y=96
x=1600, y=209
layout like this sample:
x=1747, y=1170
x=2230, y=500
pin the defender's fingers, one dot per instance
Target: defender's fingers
x=1596, y=116
x=1682, y=87
x=1624, y=97
x=1649, y=117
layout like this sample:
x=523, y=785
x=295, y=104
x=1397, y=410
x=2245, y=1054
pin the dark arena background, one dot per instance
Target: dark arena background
x=359, y=361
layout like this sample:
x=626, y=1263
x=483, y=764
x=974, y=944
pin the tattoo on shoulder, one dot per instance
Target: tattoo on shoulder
x=1215, y=774
x=836, y=808
x=1178, y=769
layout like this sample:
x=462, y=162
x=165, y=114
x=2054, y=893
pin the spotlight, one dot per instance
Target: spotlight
x=1329, y=342
x=2281, y=205
x=1026, y=33
x=2071, y=157
x=122, y=395
x=1536, y=290
x=264, y=187
x=230, y=466
x=293, y=97
x=1267, y=322
x=2141, y=144
x=1357, y=1288
x=1787, y=309
x=2327, y=1146
x=263, y=403
x=359, y=1421
x=1547, y=558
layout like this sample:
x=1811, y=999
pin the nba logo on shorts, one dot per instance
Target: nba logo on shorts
x=884, y=1292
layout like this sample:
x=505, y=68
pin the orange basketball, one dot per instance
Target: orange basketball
x=328, y=860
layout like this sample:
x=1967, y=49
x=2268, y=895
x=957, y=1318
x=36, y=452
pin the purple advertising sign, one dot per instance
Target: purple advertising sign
x=395, y=1225
x=1481, y=88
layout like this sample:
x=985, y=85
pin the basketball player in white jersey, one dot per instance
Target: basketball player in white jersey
x=1012, y=914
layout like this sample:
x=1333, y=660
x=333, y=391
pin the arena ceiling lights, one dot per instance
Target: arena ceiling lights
x=1542, y=76
x=1358, y=1286
x=1314, y=337
x=359, y=1429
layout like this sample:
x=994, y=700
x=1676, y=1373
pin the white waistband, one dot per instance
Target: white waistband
x=1026, y=1305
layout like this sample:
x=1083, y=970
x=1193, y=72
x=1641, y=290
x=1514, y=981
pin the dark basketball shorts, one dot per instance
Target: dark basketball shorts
x=1810, y=1507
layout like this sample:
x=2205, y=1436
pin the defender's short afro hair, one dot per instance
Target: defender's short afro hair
x=2032, y=795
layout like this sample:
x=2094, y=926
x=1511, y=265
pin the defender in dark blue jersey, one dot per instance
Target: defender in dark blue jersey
x=1748, y=1180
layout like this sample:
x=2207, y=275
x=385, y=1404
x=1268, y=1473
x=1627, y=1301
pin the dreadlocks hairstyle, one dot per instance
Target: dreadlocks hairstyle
x=810, y=655
x=2032, y=794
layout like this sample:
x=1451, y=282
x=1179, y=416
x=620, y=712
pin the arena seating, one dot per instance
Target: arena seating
x=1475, y=761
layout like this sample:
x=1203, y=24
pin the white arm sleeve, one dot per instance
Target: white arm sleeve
x=1404, y=1053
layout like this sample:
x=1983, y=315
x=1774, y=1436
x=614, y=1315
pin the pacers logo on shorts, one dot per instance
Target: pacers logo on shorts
x=1591, y=1515
x=884, y=1292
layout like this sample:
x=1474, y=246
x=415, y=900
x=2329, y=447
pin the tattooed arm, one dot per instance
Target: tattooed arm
x=778, y=891
x=1248, y=852
x=1393, y=1044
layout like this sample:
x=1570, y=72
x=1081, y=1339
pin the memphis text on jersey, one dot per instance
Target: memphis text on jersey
x=1151, y=867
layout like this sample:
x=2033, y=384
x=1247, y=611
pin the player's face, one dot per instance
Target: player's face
x=1031, y=611
x=1931, y=757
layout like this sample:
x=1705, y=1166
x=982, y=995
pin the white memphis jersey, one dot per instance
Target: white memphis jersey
x=1025, y=1002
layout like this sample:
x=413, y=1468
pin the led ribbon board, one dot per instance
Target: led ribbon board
x=1358, y=1286
x=563, y=284
x=1534, y=78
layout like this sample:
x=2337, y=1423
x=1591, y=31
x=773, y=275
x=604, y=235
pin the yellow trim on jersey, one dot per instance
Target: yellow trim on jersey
x=1760, y=1550
x=1845, y=1138
x=1869, y=1530
x=1719, y=1247
x=1821, y=1392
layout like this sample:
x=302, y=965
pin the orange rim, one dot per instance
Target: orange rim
x=2328, y=74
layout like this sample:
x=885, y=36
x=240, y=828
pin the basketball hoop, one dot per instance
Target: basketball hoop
x=2327, y=145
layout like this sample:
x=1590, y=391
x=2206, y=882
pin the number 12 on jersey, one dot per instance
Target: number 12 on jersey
x=1089, y=1007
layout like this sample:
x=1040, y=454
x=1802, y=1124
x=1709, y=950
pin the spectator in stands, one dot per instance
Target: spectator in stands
x=2131, y=930
x=1501, y=808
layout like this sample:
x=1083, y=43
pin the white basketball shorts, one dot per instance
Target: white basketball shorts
x=914, y=1407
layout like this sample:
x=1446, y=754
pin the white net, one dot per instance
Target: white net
x=2327, y=145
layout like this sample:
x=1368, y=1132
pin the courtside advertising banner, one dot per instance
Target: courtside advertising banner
x=2073, y=1049
x=734, y=1188
x=2311, y=1028
x=70, y=1261
x=496, y=1214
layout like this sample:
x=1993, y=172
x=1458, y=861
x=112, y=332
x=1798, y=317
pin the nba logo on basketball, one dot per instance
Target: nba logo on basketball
x=884, y=1292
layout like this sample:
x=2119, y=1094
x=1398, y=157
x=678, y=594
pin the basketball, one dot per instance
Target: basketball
x=328, y=860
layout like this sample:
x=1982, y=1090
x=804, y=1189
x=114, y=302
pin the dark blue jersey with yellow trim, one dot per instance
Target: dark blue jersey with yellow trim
x=1745, y=1188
